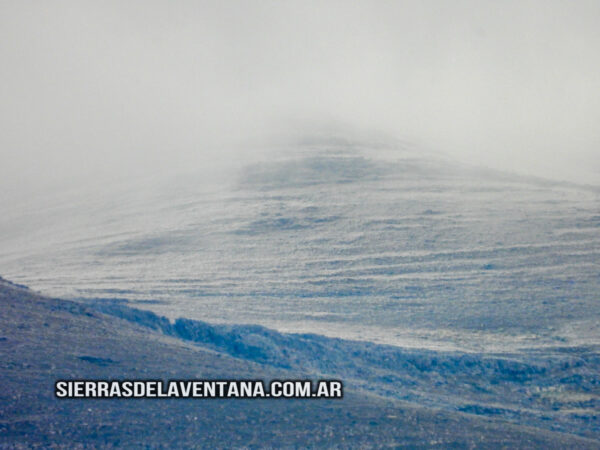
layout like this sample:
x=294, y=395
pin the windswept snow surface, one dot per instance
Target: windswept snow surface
x=411, y=250
x=333, y=238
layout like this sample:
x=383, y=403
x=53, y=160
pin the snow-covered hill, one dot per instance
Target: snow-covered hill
x=329, y=236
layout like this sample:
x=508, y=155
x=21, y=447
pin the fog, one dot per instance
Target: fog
x=102, y=90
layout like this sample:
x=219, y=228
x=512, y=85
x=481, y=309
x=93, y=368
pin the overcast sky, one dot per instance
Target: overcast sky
x=115, y=87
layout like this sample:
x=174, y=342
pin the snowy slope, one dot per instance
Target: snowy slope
x=330, y=237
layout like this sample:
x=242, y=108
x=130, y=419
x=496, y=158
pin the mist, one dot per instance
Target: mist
x=103, y=90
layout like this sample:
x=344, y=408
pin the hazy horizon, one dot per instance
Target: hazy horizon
x=93, y=91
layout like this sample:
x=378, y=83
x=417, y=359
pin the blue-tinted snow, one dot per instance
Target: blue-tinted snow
x=411, y=250
x=469, y=289
x=555, y=389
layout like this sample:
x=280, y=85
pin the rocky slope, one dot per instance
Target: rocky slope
x=44, y=339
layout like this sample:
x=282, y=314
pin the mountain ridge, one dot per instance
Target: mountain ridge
x=44, y=339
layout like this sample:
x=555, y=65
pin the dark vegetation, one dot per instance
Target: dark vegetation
x=44, y=339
